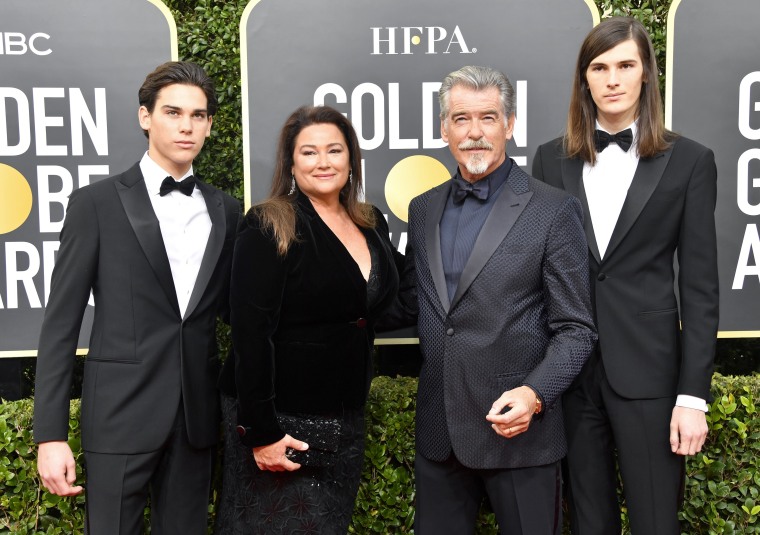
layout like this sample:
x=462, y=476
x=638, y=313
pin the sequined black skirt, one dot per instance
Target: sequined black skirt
x=313, y=501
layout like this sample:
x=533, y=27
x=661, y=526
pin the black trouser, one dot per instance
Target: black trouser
x=605, y=431
x=177, y=477
x=527, y=501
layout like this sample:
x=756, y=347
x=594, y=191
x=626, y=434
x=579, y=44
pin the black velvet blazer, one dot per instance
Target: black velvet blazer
x=302, y=329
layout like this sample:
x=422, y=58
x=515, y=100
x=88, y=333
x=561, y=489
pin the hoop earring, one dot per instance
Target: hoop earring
x=292, y=184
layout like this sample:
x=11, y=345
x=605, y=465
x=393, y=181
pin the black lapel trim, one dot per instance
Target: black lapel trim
x=215, y=207
x=499, y=222
x=134, y=197
x=436, y=204
x=645, y=180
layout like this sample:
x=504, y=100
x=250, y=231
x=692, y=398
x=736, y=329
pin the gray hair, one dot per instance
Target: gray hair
x=479, y=79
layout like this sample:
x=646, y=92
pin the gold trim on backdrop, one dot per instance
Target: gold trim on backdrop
x=246, y=115
x=30, y=353
x=378, y=342
x=396, y=341
x=411, y=341
x=595, y=16
x=738, y=334
x=669, y=65
x=172, y=27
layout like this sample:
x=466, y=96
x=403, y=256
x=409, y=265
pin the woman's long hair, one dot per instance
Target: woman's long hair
x=652, y=137
x=278, y=211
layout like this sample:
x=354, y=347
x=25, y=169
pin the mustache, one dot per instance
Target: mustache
x=469, y=144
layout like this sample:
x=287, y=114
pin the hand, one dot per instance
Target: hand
x=688, y=431
x=272, y=456
x=57, y=468
x=522, y=403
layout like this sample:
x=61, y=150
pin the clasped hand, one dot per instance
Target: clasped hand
x=522, y=404
x=272, y=456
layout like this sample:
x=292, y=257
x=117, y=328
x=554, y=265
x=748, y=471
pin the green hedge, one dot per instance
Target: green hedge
x=723, y=482
x=722, y=488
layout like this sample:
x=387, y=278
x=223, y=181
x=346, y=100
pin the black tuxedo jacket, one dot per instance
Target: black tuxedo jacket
x=669, y=209
x=520, y=316
x=143, y=355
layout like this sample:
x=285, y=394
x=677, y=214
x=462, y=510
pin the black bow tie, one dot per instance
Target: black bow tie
x=461, y=189
x=623, y=139
x=184, y=186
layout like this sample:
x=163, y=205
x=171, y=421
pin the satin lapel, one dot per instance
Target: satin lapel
x=572, y=180
x=215, y=207
x=137, y=205
x=435, y=207
x=499, y=222
x=645, y=180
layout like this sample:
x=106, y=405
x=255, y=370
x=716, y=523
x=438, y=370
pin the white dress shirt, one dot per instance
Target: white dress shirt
x=185, y=228
x=606, y=184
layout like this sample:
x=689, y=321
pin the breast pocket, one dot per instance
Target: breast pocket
x=509, y=381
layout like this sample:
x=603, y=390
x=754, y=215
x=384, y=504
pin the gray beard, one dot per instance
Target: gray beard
x=476, y=165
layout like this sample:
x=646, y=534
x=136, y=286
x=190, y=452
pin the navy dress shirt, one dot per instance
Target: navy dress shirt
x=461, y=223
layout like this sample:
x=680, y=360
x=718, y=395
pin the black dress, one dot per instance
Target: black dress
x=313, y=501
x=310, y=500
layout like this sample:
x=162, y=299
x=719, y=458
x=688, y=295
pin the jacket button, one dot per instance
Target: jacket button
x=601, y=277
x=450, y=331
x=240, y=430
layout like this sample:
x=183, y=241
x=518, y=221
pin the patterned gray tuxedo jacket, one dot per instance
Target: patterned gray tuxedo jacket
x=521, y=315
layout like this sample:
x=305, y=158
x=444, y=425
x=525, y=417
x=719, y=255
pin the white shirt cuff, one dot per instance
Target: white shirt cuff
x=691, y=402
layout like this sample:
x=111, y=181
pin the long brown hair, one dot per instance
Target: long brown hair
x=652, y=137
x=278, y=211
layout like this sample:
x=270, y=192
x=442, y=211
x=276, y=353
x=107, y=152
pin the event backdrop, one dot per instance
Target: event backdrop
x=68, y=85
x=70, y=72
x=381, y=64
x=713, y=96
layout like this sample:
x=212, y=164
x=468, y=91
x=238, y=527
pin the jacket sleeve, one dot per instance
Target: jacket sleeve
x=566, y=290
x=698, y=279
x=74, y=275
x=259, y=275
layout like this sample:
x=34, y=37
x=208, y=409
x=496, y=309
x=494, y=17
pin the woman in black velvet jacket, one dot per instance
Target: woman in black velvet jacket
x=313, y=268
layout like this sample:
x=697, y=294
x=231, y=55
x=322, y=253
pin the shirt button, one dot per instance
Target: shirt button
x=450, y=331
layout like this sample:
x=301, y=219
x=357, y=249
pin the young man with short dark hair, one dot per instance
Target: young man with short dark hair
x=154, y=246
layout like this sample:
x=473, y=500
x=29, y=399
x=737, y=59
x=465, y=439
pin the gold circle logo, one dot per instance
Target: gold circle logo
x=410, y=177
x=15, y=199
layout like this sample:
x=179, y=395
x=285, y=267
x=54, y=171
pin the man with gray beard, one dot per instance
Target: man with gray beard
x=496, y=277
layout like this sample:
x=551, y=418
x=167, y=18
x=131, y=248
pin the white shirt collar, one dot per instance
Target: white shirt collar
x=154, y=174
